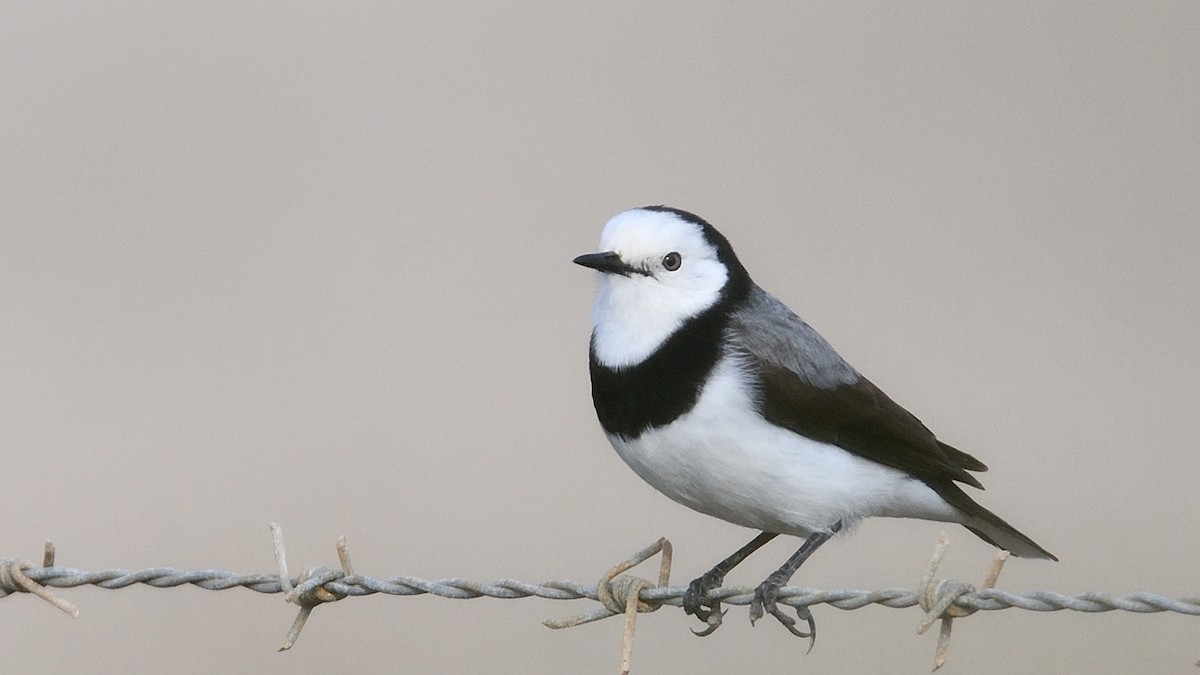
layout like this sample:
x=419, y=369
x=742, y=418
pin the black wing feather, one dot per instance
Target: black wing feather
x=862, y=419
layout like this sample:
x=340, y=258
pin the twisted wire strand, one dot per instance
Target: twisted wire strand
x=462, y=589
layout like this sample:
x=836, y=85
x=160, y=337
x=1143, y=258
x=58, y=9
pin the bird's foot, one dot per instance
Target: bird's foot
x=696, y=603
x=764, y=603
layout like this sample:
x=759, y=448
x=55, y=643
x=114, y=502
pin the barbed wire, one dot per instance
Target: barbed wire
x=941, y=599
x=464, y=589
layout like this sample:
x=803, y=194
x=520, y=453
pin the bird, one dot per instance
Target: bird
x=723, y=399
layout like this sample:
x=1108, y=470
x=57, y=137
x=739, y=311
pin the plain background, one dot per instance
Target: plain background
x=310, y=263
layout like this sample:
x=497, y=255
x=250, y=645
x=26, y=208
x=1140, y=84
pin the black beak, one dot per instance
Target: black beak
x=607, y=262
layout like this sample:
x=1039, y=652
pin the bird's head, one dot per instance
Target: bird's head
x=659, y=267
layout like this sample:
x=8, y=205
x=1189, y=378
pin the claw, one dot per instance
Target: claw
x=696, y=604
x=790, y=623
x=714, y=622
x=764, y=603
x=756, y=606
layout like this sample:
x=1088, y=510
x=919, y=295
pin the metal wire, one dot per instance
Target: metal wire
x=941, y=600
x=464, y=589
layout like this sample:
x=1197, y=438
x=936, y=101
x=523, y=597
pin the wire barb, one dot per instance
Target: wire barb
x=620, y=593
x=939, y=598
x=310, y=587
x=14, y=580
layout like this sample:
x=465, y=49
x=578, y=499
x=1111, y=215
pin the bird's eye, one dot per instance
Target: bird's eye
x=672, y=261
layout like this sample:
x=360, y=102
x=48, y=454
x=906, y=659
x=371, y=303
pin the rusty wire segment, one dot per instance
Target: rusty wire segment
x=619, y=594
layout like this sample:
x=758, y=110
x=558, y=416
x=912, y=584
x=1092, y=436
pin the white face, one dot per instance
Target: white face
x=635, y=314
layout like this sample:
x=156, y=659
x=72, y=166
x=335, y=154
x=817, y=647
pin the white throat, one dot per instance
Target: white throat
x=634, y=316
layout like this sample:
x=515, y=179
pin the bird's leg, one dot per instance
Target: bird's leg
x=764, y=595
x=694, y=601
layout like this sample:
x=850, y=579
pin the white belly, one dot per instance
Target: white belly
x=724, y=460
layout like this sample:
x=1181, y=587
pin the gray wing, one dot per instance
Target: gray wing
x=809, y=388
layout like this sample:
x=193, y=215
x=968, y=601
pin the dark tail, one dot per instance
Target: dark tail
x=990, y=527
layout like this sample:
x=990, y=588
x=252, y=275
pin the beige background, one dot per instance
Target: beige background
x=312, y=265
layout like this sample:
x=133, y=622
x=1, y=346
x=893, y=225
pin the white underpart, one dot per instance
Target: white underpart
x=723, y=459
x=634, y=315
